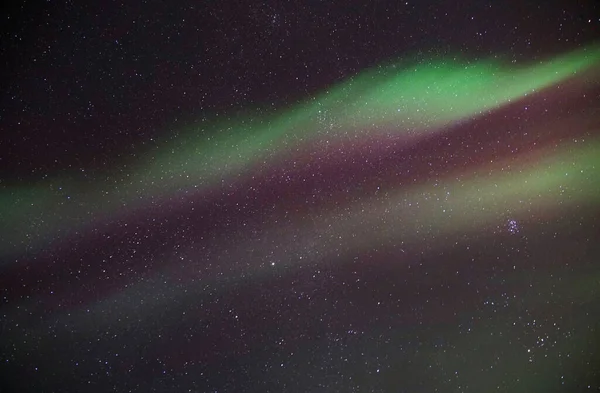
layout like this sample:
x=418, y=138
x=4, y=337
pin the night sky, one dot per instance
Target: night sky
x=300, y=196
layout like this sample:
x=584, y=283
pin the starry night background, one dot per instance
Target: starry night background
x=317, y=196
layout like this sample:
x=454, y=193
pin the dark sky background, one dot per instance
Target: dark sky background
x=250, y=285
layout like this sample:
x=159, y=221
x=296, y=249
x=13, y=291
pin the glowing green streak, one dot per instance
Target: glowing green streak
x=421, y=98
x=566, y=179
x=417, y=98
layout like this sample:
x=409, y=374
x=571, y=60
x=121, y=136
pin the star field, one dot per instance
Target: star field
x=300, y=197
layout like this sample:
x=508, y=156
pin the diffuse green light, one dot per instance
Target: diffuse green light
x=421, y=97
x=418, y=98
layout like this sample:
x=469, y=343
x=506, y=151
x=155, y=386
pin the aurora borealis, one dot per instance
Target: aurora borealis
x=407, y=103
x=423, y=222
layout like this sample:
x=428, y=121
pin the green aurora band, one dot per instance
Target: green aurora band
x=415, y=99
